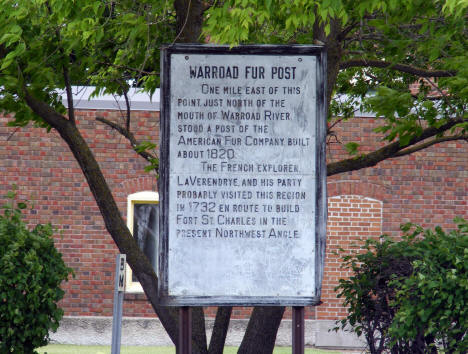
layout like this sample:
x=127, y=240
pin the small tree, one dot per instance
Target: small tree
x=410, y=296
x=31, y=270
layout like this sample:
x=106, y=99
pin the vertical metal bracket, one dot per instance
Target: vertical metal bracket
x=185, y=331
x=298, y=330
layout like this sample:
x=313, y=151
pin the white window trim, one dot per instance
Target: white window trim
x=139, y=99
x=145, y=197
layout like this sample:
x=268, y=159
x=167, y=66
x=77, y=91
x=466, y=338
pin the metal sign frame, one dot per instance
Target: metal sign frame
x=319, y=52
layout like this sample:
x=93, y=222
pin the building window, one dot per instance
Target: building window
x=143, y=223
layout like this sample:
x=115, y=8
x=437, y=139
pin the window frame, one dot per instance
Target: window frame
x=144, y=197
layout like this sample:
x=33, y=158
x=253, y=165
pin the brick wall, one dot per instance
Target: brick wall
x=351, y=220
x=48, y=176
x=428, y=187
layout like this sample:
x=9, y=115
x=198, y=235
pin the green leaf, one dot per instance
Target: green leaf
x=352, y=148
x=11, y=194
x=145, y=145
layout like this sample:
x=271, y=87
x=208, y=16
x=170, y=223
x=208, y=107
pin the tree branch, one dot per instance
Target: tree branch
x=71, y=108
x=399, y=67
x=389, y=151
x=127, y=104
x=342, y=35
x=208, y=4
x=425, y=145
x=66, y=74
x=130, y=137
x=128, y=68
x=50, y=116
x=441, y=93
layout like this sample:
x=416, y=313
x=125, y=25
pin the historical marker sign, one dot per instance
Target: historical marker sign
x=242, y=175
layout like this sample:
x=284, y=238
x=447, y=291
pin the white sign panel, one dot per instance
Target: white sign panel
x=241, y=172
x=121, y=273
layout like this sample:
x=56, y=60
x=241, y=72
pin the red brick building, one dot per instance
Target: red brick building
x=429, y=187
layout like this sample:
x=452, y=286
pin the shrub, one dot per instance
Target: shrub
x=410, y=296
x=368, y=293
x=31, y=271
x=434, y=299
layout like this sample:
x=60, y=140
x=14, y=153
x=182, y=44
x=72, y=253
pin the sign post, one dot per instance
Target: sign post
x=185, y=331
x=119, y=293
x=243, y=175
x=298, y=341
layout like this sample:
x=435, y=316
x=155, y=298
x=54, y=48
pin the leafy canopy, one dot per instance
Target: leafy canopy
x=381, y=47
x=377, y=49
x=47, y=45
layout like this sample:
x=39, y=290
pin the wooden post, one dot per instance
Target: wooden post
x=185, y=331
x=298, y=330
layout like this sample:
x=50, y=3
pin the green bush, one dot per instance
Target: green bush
x=410, y=296
x=434, y=299
x=368, y=293
x=31, y=271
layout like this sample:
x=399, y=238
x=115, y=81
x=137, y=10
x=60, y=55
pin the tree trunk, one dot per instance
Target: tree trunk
x=261, y=332
x=189, y=20
x=220, y=328
x=199, y=342
x=334, y=52
x=115, y=224
x=189, y=14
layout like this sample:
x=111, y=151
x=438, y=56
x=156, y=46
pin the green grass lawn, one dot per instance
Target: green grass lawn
x=86, y=349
